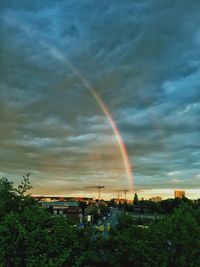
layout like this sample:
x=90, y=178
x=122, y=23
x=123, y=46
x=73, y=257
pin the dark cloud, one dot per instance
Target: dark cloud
x=143, y=60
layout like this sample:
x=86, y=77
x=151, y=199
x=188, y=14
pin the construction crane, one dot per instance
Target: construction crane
x=125, y=190
x=98, y=187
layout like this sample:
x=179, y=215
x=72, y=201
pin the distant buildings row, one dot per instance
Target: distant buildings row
x=70, y=207
x=43, y=198
x=177, y=194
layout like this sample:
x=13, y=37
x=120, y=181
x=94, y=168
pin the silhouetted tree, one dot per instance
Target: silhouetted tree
x=135, y=200
x=25, y=185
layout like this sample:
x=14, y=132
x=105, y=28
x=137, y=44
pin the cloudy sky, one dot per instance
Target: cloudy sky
x=143, y=60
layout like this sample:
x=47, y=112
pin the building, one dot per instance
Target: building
x=179, y=194
x=156, y=199
x=53, y=198
x=68, y=209
x=122, y=201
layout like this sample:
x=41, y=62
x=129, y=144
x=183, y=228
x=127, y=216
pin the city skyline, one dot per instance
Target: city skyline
x=86, y=89
x=192, y=194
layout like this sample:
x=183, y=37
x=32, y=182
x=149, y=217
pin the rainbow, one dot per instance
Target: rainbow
x=117, y=135
x=61, y=57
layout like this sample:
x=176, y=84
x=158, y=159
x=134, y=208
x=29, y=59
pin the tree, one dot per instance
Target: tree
x=128, y=244
x=169, y=241
x=24, y=186
x=104, y=209
x=112, y=203
x=35, y=238
x=175, y=239
x=135, y=201
x=31, y=236
x=82, y=205
x=8, y=197
x=14, y=199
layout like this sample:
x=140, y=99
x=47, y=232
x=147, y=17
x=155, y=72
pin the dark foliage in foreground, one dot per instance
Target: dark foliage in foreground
x=30, y=236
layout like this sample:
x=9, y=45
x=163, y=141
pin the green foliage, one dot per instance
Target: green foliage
x=12, y=234
x=104, y=209
x=176, y=238
x=90, y=250
x=95, y=214
x=30, y=236
x=33, y=238
x=128, y=245
x=51, y=242
x=125, y=221
x=25, y=185
x=170, y=241
x=8, y=198
x=13, y=199
x=111, y=203
x=5, y=186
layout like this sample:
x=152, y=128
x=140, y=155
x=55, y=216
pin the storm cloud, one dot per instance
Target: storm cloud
x=141, y=57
